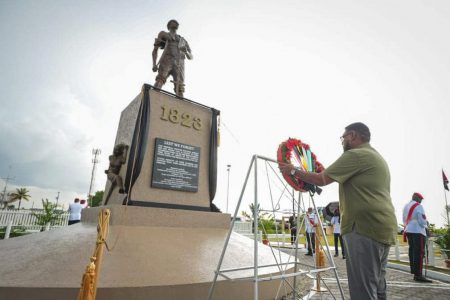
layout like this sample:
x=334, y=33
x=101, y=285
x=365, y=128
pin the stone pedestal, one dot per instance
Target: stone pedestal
x=154, y=254
x=164, y=243
x=182, y=134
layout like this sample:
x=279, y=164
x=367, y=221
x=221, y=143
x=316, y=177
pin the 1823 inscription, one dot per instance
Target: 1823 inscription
x=175, y=166
x=175, y=116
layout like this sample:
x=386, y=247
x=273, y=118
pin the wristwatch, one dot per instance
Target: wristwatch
x=293, y=172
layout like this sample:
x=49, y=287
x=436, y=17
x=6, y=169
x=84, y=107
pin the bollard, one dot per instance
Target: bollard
x=431, y=261
x=320, y=259
x=47, y=227
x=8, y=230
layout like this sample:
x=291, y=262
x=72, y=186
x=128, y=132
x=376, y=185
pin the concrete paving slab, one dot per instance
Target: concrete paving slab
x=400, y=283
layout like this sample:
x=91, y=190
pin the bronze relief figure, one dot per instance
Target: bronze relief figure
x=116, y=161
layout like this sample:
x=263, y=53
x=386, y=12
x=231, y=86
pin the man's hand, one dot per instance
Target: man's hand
x=155, y=68
x=319, y=179
x=286, y=168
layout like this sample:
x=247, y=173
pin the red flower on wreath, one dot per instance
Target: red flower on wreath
x=303, y=152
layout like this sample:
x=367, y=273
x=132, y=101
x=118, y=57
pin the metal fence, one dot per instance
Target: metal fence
x=242, y=227
x=27, y=219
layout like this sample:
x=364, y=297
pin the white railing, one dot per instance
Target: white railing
x=243, y=227
x=27, y=219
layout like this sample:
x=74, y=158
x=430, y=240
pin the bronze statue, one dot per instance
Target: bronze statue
x=116, y=161
x=176, y=49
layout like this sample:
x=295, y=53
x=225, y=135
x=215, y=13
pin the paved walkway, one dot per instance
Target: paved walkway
x=400, y=284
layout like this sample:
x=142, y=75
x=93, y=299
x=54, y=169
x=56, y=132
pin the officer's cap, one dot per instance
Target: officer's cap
x=418, y=195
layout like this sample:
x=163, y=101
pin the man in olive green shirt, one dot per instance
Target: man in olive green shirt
x=368, y=222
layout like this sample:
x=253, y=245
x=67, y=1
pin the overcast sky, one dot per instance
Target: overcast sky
x=275, y=69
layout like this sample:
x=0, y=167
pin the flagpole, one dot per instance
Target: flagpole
x=446, y=209
x=445, y=182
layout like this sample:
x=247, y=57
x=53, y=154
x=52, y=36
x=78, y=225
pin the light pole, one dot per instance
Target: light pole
x=7, y=178
x=57, y=199
x=4, y=194
x=96, y=153
x=228, y=184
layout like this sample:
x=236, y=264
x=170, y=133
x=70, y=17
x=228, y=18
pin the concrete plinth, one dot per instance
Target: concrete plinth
x=154, y=254
x=157, y=115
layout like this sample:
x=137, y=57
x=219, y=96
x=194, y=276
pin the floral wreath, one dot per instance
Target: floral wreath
x=304, y=157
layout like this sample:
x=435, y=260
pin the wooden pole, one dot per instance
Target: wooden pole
x=317, y=257
x=88, y=290
x=101, y=238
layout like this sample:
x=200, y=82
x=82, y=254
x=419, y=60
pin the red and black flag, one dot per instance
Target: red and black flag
x=445, y=180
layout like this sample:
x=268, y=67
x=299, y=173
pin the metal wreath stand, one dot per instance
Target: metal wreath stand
x=315, y=270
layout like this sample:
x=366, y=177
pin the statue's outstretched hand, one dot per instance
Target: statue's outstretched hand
x=155, y=68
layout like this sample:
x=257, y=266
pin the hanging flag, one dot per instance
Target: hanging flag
x=445, y=180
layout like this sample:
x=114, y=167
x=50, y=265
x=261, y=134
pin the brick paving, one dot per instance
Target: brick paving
x=400, y=284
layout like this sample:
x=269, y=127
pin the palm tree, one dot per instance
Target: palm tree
x=19, y=194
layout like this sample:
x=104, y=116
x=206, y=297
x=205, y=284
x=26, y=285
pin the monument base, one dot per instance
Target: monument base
x=154, y=254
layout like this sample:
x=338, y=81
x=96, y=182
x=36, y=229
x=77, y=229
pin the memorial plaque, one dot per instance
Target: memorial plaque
x=175, y=166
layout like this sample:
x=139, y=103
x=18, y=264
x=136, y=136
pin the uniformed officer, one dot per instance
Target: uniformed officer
x=415, y=230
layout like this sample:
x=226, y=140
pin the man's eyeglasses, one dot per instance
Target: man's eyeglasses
x=343, y=137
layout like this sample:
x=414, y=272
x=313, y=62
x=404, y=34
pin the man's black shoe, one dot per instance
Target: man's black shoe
x=422, y=279
x=336, y=255
x=309, y=254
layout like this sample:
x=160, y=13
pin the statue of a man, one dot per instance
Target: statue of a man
x=176, y=49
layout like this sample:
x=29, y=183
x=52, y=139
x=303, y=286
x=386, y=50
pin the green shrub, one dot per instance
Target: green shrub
x=444, y=241
x=15, y=231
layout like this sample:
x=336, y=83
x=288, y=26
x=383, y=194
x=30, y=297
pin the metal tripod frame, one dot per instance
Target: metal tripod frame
x=256, y=278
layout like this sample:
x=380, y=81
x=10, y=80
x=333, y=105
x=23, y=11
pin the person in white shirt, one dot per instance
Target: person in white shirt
x=336, y=222
x=75, y=211
x=311, y=222
x=415, y=223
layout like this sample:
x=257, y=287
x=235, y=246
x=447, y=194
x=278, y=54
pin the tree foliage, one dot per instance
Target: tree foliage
x=49, y=214
x=19, y=195
x=266, y=222
x=97, y=198
x=444, y=239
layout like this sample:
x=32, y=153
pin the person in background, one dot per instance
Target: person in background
x=311, y=222
x=75, y=211
x=293, y=225
x=336, y=222
x=415, y=229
